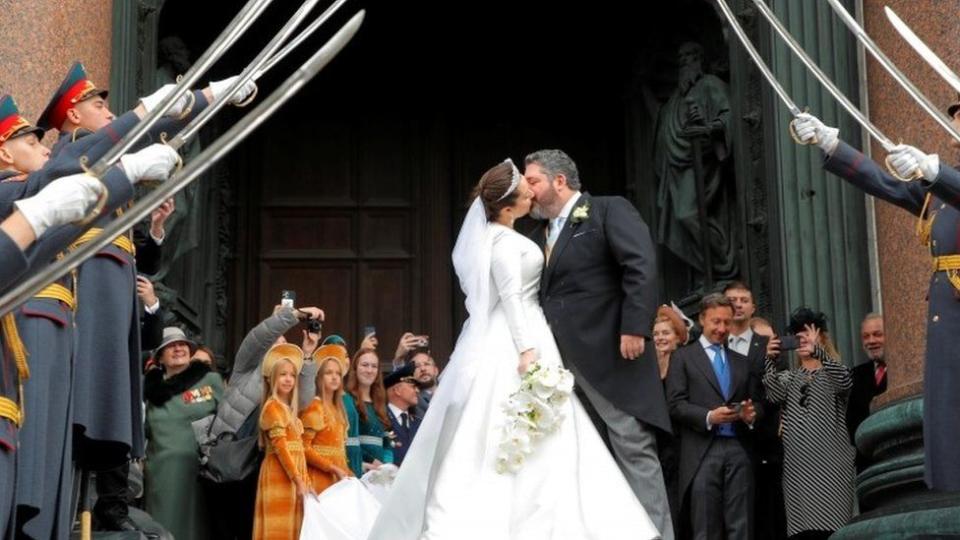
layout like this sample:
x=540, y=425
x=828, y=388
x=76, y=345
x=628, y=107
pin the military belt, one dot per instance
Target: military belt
x=57, y=291
x=122, y=241
x=10, y=411
x=951, y=265
x=945, y=263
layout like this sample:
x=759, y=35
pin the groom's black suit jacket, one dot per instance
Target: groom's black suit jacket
x=600, y=282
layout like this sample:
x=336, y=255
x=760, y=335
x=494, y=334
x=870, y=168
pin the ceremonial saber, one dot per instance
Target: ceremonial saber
x=253, y=71
x=764, y=69
x=852, y=110
x=194, y=169
x=922, y=49
x=892, y=69
x=301, y=37
x=240, y=23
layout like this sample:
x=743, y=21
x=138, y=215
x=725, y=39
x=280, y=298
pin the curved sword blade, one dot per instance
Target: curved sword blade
x=925, y=52
x=894, y=72
x=199, y=165
x=755, y=56
x=851, y=109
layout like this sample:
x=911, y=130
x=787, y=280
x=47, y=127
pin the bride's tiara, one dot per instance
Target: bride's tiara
x=514, y=181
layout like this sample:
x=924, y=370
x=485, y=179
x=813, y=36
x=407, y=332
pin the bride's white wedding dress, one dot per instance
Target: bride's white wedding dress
x=448, y=487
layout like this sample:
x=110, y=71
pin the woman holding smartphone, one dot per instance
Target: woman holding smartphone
x=818, y=470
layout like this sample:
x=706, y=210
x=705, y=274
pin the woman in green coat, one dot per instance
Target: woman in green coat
x=178, y=392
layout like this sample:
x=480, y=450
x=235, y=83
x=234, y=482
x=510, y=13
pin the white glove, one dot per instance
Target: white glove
x=63, y=201
x=906, y=159
x=809, y=126
x=152, y=163
x=176, y=110
x=219, y=88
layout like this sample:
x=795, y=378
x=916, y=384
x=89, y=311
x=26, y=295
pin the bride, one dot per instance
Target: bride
x=449, y=487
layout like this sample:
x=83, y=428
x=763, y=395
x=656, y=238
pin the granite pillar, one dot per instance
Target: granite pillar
x=41, y=38
x=893, y=498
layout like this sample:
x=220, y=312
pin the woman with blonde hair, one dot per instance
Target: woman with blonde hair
x=325, y=421
x=818, y=461
x=365, y=400
x=283, y=474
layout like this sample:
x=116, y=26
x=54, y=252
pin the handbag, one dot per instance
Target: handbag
x=232, y=457
x=229, y=459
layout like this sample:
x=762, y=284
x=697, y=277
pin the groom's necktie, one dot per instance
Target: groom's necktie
x=553, y=232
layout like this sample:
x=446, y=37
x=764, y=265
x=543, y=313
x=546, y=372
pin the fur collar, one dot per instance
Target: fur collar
x=158, y=390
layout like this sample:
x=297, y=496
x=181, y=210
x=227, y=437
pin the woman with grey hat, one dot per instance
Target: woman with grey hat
x=178, y=391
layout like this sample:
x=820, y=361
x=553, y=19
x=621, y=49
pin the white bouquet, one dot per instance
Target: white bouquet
x=533, y=412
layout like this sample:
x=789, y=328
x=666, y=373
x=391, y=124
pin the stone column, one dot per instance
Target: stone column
x=893, y=498
x=42, y=38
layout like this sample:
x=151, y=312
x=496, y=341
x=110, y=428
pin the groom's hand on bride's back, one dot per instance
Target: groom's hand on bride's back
x=631, y=347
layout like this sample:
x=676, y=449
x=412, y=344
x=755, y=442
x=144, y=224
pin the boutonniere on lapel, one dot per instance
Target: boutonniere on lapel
x=580, y=213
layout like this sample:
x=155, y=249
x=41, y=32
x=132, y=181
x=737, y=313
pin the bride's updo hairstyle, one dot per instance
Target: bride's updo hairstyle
x=492, y=187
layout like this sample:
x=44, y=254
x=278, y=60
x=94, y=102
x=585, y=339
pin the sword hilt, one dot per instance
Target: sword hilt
x=915, y=175
x=250, y=98
x=796, y=138
x=191, y=99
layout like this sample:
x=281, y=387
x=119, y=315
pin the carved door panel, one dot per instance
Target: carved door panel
x=337, y=224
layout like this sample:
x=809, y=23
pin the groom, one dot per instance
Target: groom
x=599, y=294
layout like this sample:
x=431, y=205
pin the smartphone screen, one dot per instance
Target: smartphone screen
x=368, y=331
x=288, y=298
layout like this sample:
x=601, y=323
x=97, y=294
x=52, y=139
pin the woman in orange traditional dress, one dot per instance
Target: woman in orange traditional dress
x=283, y=473
x=325, y=421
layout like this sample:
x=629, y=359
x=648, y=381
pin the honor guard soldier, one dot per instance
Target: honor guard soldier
x=107, y=402
x=44, y=471
x=934, y=199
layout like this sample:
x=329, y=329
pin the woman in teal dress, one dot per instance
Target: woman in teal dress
x=177, y=393
x=369, y=439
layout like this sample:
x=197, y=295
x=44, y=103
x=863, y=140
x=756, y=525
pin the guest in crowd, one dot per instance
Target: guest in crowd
x=869, y=379
x=283, y=474
x=238, y=412
x=714, y=398
x=770, y=521
x=178, y=391
x=409, y=345
x=426, y=374
x=669, y=333
x=402, y=396
x=205, y=354
x=369, y=438
x=325, y=421
x=818, y=463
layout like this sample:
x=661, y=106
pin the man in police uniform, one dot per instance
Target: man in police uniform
x=107, y=416
x=934, y=199
x=44, y=470
x=402, y=397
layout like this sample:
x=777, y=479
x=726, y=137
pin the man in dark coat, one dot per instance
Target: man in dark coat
x=712, y=391
x=599, y=295
x=402, y=398
x=770, y=519
x=869, y=379
x=933, y=199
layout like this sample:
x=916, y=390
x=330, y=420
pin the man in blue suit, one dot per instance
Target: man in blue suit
x=402, y=398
